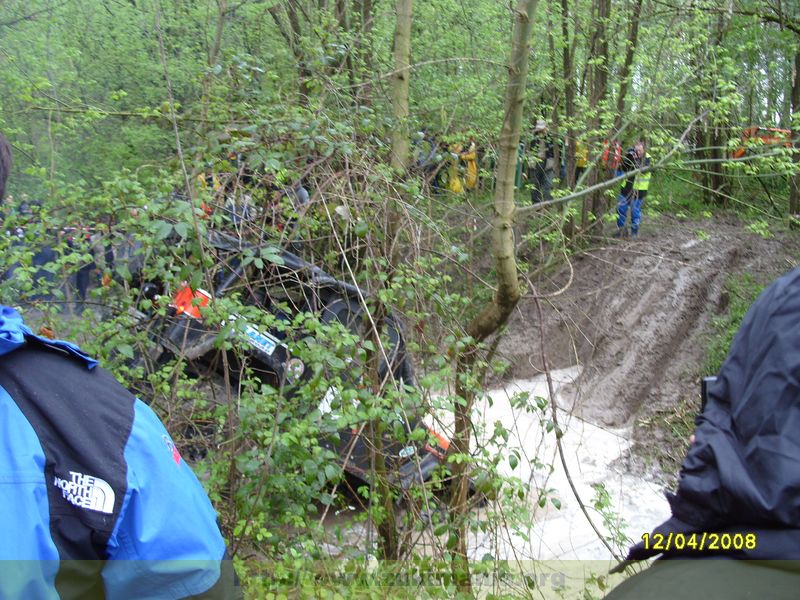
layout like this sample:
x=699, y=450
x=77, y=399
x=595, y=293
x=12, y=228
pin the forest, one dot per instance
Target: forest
x=301, y=230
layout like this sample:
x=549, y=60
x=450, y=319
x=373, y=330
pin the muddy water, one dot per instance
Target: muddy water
x=592, y=456
x=591, y=453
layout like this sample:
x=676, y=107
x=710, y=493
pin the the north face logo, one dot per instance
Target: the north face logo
x=87, y=492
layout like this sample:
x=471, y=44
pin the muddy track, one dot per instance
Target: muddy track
x=651, y=324
x=636, y=314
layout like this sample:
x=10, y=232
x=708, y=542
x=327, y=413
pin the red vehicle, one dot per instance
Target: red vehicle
x=768, y=136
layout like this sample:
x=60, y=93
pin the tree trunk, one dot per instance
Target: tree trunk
x=569, y=94
x=718, y=182
x=568, y=77
x=293, y=37
x=387, y=524
x=402, y=60
x=496, y=313
x=387, y=519
x=717, y=138
x=212, y=57
x=555, y=95
x=569, y=112
x=598, y=90
x=343, y=21
x=364, y=9
x=625, y=74
x=794, y=181
x=304, y=72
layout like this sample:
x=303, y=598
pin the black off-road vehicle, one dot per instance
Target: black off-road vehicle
x=285, y=287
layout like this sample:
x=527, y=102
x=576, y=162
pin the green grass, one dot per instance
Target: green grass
x=677, y=195
x=741, y=291
x=668, y=431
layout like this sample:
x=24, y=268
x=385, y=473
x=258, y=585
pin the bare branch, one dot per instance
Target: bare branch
x=779, y=18
x=608, y=183
x=33, y=15
x=273, y=12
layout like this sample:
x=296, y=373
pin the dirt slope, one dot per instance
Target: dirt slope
x=635, y=313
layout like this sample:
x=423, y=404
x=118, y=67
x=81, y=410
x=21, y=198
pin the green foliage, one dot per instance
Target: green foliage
x=266, y=98
x=740, y=292
x=760, y=227
x=672, y=427
x=674, y=194
x=613, y=522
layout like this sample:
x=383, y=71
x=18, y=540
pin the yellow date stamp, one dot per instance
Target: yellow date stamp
x=699, y=542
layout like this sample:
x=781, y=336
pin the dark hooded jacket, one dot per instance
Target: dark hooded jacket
x=742, y=474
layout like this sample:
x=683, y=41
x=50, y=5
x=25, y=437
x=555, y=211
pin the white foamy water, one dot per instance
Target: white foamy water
x=590, y=452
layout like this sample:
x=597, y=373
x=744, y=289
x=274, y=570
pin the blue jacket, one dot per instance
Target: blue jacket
x=95, y=500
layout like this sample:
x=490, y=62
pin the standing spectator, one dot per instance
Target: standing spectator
x=454, y=182
x=6, y=161
x=581, y=159
x=470, y=158
x=541, y=163
x=642, y=182
x=78, y=240
x=425, y=150
x=44, y=255
x=488, y=161
x=427, y=158
x=518, y=175
x=627, y=196
x=439, y=171
x=611, y=158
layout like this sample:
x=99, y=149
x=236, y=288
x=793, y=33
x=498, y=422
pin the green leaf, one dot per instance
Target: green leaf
x=361, y=229
x=331, y=472
x=335, y=362
x=275, y=259
x=125, y=350
x=162, y=230
x=182, y=229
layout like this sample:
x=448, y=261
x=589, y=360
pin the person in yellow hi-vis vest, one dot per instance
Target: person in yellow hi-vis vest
x=454, y=182
x=581, y=159
x=470, y=158
x=642, y=182
x=629, y=195
x=640, y=186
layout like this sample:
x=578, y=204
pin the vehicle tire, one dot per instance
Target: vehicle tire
x=350, y=313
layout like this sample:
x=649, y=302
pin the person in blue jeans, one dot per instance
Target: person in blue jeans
x=628, y=196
